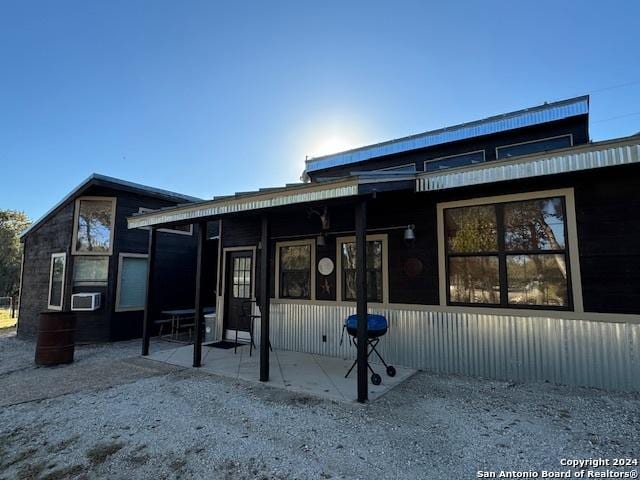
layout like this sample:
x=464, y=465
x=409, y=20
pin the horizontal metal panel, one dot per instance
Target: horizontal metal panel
x=308, y=193
x=595, y=156
x=523, y=118
x=503, y=347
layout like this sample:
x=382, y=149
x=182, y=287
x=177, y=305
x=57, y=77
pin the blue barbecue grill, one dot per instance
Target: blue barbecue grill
x=377, y=327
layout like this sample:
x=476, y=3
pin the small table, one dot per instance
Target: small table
x=176, y=316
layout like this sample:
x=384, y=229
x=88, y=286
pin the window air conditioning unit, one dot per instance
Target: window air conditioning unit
x=85, y=302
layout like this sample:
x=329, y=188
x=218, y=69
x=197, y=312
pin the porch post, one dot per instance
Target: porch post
x=361, y=298
x=264, y=300
x=148, y=304
x=197, y=345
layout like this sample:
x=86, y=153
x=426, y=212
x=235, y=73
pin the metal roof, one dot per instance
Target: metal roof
x=547, y=112
x=96, y=178
x=608, y=153
x=246, y=201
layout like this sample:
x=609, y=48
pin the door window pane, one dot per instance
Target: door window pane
x=295, y=271
x=474, y=280
x=534, y=225
x=94, y=226
x=471, y=229
x=537, y=279
x=241, y=287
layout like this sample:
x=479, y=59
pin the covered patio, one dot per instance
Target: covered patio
x=306, y=373
x=325, y=376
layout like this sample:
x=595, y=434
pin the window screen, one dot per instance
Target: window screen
x=132, y=282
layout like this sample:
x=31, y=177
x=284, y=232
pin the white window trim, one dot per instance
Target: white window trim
x=397, y=167
x=571, y=248
x=165, y=230
x=385, y=267
x=121, y=257
x=76, y=214
x=312, y=243
x=64, y=276
x=484, y=158
x=570, y=135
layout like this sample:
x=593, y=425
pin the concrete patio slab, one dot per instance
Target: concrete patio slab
x=295, y=371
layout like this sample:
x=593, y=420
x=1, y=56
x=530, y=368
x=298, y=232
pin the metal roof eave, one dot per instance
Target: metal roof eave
x=104, y=180
x=304, y=193
x=608, y=153
x=500, y=123
x=351, y=186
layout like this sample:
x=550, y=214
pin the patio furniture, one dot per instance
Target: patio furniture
x=178, y=317
x=377, y=326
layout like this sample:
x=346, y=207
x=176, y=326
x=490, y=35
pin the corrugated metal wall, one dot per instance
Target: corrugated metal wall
x=504, y=347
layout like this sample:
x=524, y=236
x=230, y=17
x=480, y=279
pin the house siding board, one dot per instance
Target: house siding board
x=576, y=126
x=175, y=265
x=52, y=237
x=176, y=261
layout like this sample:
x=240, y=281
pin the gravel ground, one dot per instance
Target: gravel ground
x=165, y=422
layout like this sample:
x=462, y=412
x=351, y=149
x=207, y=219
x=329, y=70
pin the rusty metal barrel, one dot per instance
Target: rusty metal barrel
x=56, y=338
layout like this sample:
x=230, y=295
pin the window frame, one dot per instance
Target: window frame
x=384, y=238
x=76, y=217
x=572, y=258
x=121, y=258
x=62, y=255
x=165, y=230
x=398, y=167
x=312, y=272
x=482, y=150
x=570, y=135
x=90, y=283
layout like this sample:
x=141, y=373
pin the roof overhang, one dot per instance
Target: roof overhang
x=352, y=186
x=96, y=179
x=548, y=112
x=573, y=159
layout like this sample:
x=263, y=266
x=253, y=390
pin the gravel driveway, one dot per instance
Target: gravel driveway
x=114, y=415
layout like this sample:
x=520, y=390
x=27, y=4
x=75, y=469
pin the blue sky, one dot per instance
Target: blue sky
x=208, y=98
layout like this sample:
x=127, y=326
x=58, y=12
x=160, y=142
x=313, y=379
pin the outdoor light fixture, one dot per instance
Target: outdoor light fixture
x=409, y=234
x=321, y=241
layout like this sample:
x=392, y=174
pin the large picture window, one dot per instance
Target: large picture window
x=132, y=282
x=376, y=269
x=510, y=254
x=56, y=281
x=295, y=271
x=93, y=229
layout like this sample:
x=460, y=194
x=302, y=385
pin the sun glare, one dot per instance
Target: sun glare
x=329, y=145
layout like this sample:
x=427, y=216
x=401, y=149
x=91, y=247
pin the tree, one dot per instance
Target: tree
x=12, y=223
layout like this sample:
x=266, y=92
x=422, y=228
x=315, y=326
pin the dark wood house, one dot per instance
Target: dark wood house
x=506, y=248
x=81, y=256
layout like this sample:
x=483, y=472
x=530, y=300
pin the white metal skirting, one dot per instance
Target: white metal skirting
x=504, y=347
